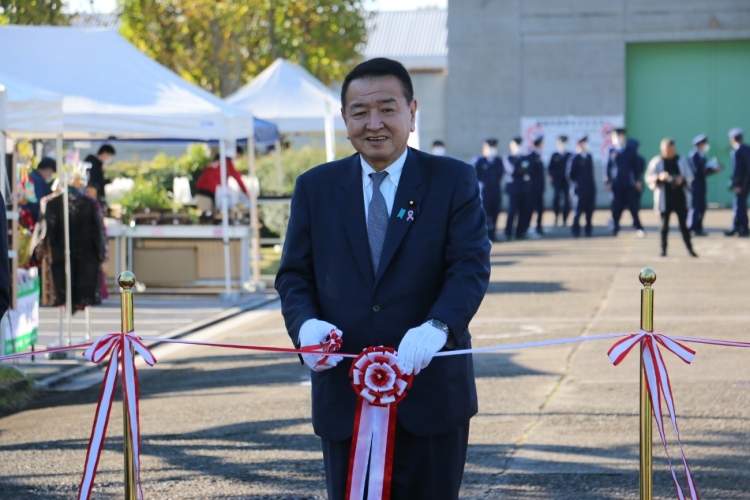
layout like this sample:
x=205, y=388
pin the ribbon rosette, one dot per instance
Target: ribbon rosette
x=658, y=386
x=120, y=347
x=380, y=386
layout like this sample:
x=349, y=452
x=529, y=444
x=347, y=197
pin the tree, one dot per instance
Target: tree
x=32, y=12
x=220, y=44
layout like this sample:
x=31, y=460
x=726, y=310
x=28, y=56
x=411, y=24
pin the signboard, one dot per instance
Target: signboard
x=597, y=128
x=20, y=327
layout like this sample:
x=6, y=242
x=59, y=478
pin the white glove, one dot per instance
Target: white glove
x=419, y=346
x=313, y=332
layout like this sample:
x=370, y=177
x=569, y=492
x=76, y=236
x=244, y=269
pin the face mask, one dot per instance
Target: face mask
x=438, y=151
x=616, y=141
x=706, y=149
x=492, y=152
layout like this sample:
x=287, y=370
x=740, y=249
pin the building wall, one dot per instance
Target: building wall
x=513, y=58
x=429, y=90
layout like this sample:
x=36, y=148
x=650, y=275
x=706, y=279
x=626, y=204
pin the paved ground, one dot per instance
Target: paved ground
x=557, y=422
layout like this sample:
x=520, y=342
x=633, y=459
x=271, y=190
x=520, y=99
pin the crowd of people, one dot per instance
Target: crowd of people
x=679, y=185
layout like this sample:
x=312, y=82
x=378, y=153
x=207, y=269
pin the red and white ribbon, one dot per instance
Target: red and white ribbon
x=658, y=386
x=380, y=386
x=118, y=347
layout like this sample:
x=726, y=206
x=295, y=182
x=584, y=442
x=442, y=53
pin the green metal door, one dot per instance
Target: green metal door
x=683, y=89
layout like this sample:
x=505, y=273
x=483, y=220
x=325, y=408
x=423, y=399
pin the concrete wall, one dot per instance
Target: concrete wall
x=429, y=90
x=513, y=58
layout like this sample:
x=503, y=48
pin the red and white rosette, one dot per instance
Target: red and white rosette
x=380, y=386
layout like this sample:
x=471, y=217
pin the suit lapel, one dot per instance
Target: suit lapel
x=411, y=179
x=352, y=212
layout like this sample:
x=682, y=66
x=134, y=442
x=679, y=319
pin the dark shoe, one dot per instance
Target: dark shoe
x=663, y=252
x=744, y=235
x=730, y=233
x=692, y=252
x=699, y=233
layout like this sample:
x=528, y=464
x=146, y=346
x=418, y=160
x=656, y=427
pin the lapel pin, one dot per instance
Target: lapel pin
x=410, y=215
x=411, y=203
x=401, y=213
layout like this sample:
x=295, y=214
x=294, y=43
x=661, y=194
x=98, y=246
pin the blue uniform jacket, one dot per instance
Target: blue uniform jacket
x=518, y=176
x=434, y=266
x=741, y=167
x=622, y=167
x=557, y=169
x=580, y=173
x=490, y=175
x=536, y=171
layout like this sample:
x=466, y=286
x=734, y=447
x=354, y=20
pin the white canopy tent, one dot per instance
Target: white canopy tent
x=287, y=95
x=110, y=90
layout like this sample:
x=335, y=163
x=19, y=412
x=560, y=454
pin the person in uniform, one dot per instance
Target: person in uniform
x=580, y=175
x=438, y=148
x=490, y=171
x=558, y=178
x=670, y=176
x=740, y=182
x=388, y=247
x=536, y=173
x=517, y=188
x=701, y=169
x=623, y=180
x=634, y=202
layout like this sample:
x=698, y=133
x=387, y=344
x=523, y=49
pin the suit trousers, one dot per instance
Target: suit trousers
x=623, y=198
x=740, y=224
x=584, y=205
x=561, y=204
x=518, y=206
x=698, y=210
x=424, y=468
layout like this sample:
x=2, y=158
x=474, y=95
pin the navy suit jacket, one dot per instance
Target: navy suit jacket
x=741, y=164
x=434, y=266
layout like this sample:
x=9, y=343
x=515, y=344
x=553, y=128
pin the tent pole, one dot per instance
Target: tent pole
x=225, y=219
x=2, y=165
x=279, y=174
x=330, y=137
x=254, y=211
x=66, y=226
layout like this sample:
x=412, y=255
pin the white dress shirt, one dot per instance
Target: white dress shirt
x=388, y=187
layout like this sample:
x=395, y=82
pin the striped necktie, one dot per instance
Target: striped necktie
x=377, y=219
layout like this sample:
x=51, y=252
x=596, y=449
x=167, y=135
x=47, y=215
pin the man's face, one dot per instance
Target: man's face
x=46, y=174
x=562, y=146
x=619, y=140
x=668, y=151
x=105, y=158
x=378, y=119
x=582, y=147
x=513, y=147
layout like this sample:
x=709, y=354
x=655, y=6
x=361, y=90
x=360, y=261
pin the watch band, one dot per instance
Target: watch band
x=450, y=342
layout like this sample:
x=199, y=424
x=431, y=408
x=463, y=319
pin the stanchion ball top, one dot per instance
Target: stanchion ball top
x=126, y=280
x=647, y=276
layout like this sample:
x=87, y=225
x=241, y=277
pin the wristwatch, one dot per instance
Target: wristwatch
x=450, y=342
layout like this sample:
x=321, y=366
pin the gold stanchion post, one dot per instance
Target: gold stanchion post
x=647, y=277
x=126, y=281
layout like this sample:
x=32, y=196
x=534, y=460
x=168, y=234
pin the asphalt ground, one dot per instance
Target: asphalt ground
x=555, y=422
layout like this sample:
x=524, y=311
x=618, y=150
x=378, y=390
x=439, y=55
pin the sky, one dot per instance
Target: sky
x=110, y=5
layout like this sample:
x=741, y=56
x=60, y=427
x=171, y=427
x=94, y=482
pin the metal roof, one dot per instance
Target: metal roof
x=95, y=20
x=417, y=38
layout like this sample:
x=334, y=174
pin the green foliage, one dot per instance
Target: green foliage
x=293, y=162
x=220, y=45
x=33, y=12
x=146, y=193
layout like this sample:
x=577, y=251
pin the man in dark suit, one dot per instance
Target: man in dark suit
x=702, y=168
x=536, y=173
x=556, y=170
x=490, y=172
x=580, y=173
x=623, y=178
x=740, y=182
x=518, y=188
x=389, y=247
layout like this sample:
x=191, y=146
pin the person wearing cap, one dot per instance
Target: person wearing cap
x=490, y=171
x=438, y=148
x=580, y=175
x=41, y=177
x=669, y=176
x=517, y=188
x=701, y=169
x=535, y=167
x=557, y=177
x=740, y=182
x=623, y=179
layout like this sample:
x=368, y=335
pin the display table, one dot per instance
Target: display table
x=181, y=255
